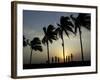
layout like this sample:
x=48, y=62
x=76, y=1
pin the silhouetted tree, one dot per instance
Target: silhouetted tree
x=64, y=26
x=49, y=36
x=83, y=20
x=24, y=41
x=35, y=44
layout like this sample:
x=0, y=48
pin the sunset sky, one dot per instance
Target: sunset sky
x=33, y=23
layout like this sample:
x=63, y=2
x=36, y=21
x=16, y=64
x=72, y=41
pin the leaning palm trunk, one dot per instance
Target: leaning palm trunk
x=48, y=52
x=63, y=48
x=31, y=57
x=49, y=36
x=81, y=45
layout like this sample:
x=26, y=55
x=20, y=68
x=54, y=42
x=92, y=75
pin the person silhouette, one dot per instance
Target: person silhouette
x=71, y=57
x=52, y=60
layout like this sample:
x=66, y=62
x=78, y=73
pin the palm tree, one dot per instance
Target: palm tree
x=64, y=26
x=49, y=36
x=35, y=44
x=83, y=20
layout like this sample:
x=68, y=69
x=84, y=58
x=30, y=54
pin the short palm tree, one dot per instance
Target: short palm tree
x=64, y=26
x=49, y=36
x=35, y=44
x=83, y=20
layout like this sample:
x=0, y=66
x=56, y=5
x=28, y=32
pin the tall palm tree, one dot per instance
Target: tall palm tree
x=83, y=20
x=49, y=36
x=64, y=26
x=35, y=44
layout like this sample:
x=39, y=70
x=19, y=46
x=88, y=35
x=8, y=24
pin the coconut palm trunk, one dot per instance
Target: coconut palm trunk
x=48, y=52
x=83, y=20
x=31, y=57
x=81, y=44
x=63, y=48
x=49, y=36
x=66, y=26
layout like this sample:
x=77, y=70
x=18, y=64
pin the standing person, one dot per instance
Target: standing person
x=52, y=60
x=71, y=57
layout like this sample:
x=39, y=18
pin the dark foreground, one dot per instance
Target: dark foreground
x=54, y=65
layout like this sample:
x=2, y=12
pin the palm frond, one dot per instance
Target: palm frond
x=50, y=28
x=50, y=40
x=85, y=20
x=44, y=40
x=66, y=33
x=24, y=41
x=69, y=23
x=35, y=44
x=59, y=32
x=50, y=34
x=67, y=18
x=44, y=30
x=69, y=29
x=74, y=19
x=58, y=25
x=38, y=48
